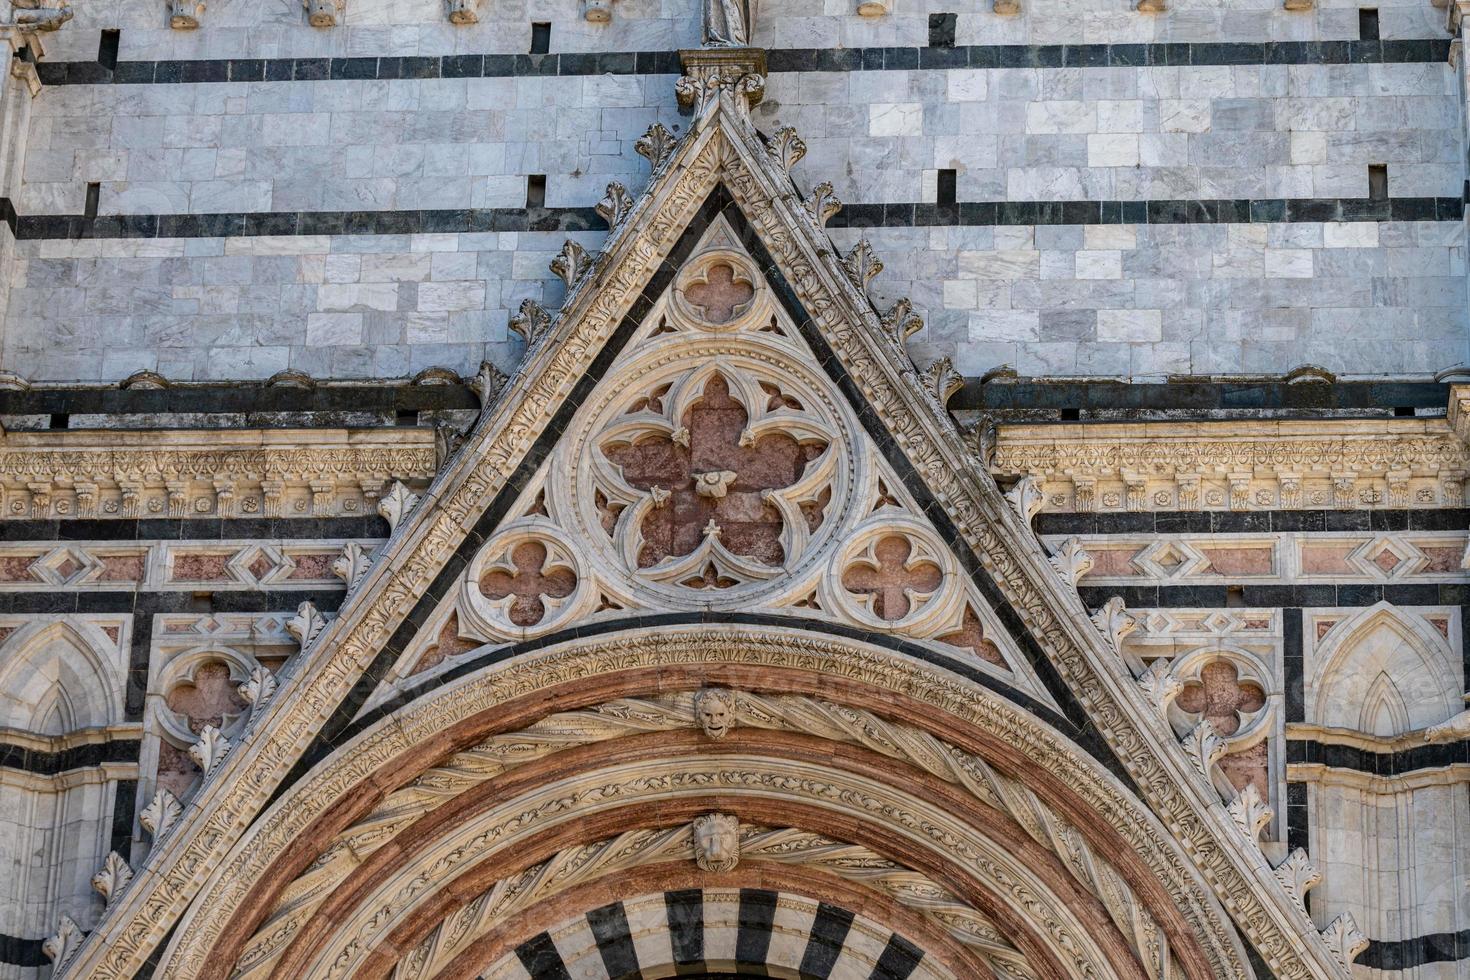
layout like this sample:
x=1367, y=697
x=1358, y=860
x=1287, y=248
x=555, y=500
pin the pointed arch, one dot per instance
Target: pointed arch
x=58, y=677
x=1390, y=659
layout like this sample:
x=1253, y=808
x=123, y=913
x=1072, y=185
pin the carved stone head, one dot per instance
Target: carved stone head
x=717, y=842
x=464, y=12
x=714, y=710
x=321, y=13
x=184, y=14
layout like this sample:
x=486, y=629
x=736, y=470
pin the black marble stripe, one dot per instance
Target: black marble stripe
x=829, y=935
x=1274, y=596
x=685, y=910
x=779, y=60
x=900, y=958
x=42, y=763
x=22, y=952
x=757, y=916
x=1298, y=819
x=609, y=925
x=124, y=805
x=1293, y=664
x=541, y=959
x=209, y=529
x=1314, y=752
x=259, y=402
x=242, y=224
x=1252, y=522
x=1107, y=399
x=1404, y=954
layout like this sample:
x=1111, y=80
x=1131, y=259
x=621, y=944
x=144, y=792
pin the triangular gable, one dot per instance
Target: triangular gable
x=716, y=467
x=900, y=409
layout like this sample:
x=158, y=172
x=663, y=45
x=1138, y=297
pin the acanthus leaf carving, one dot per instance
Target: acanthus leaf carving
x=786, y=148
x=306, y=625
x=941, y=381
x=258, y=689
x=862, y=264
x=571, y=263
x=615, y=204
x=656, y=146
x=1160, y=685
x=1249, y=812
x=352, y=564
x=160, y=815
x=532, y=322
x=211, y=747
x=487, y=383
x=1115, y=623
x=397, y=503
x=822, y=204
x=1346, y=941
x=1298, y=875
x=1071, y=560
x=62, y=944
x=900, y=323
x=1204, y=746
x=1026, y=498
x=113, y=878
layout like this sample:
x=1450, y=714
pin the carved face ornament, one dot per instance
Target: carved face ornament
x=717, y=842
x=714, y=709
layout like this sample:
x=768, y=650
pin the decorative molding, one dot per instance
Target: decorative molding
x=1339, y=464
x=135, y=473
x=716, y=711
x=721, y=147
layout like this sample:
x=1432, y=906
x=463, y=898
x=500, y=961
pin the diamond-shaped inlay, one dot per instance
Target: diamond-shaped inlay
x=68, y=567
x=1387, y=561
x=65, y=566
x=261, y=566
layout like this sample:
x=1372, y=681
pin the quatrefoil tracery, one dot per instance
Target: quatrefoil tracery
x=718, y=475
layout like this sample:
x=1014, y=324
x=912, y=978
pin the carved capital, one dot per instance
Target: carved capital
x=709, y=73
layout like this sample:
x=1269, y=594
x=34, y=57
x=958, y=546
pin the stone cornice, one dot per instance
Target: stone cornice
x=1239, y=465
x=134, y=473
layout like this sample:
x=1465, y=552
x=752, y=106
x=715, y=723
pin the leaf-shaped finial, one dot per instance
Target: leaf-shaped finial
x=941, y=381
x=1071, y=560
x=532, y=322
x=1204, y=746
x=1026, y=498
x=901, y=322
x=258, y=689
x=571, y=263
x=656, y=145
x=161, y=814
x=822, y=204
x=786, y=148
x=212, y=745
x=487, y=382
x=113, y=878
x=307, y=624
x=352, y=564
x=615, y=205
x=862, y=263
x=60, y=946
x=1249, y=812
x=399, y=500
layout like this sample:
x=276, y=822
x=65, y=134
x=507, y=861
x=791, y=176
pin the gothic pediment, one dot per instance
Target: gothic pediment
x=717, y=432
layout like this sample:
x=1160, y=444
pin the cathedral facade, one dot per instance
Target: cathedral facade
x=606, y=489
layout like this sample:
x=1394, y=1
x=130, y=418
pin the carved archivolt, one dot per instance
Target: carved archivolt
x=622, y=718
x=790, y=846
x=231, y=846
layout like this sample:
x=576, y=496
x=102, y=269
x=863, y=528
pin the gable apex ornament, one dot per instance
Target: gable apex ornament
x=735, y=76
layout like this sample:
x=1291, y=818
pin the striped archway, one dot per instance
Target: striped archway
x=540, y=787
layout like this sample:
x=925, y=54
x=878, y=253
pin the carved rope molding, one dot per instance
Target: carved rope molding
x=748, y=777
x=582, y=863
x=460, y=494
x=1012, y=556
x=625, y=717
x=769, y=649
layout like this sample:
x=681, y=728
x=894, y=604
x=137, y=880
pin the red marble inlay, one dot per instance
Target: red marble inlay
x=530, y=581
x=1387, y=561
x=720, y=297
x=747, y=525
x=1327, y=559
x=1248, y=766
x=200, y=568
x=261, y=566
x=17, y=568
x=449, y=644
x=890, y=581
x=1323, y=625
x=5, y=632
x=1113, y=563
x=121, y=568
x=1220, y=696
x=1442, y=559
x=317, y=567
x=971, y=636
